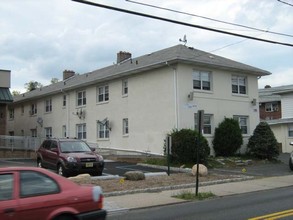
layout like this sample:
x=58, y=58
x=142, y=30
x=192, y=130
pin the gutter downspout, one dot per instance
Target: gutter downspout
x=175, y=85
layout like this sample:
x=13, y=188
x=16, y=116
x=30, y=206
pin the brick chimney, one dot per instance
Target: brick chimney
x=67, y=74
x=122, y=55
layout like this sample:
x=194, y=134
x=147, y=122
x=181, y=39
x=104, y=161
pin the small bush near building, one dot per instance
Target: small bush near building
x=263, y=144
x=184, y=145
x=228, y=138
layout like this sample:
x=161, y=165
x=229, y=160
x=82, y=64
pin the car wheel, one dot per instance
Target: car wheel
x=39, y=163
x=291, y=163
x=61, y=170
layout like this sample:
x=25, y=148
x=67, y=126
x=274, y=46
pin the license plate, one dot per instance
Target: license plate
x=89, y=165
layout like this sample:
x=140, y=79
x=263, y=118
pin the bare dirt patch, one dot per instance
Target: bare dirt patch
x=120, y=184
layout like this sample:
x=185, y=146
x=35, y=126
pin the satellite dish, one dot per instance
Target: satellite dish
x=40, y=121
x=184, y=40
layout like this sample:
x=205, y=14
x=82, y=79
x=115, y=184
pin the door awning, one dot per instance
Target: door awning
x=5, y=95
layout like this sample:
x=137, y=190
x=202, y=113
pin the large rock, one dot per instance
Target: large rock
x=202, y=170
x=134, y=175
x=82, y=178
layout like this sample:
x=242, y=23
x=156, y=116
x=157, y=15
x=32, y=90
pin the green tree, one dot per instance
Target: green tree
x=263, y=144
x=32, y=85
x=184, y=147
x=54, y=80
x=228, y=138
x=15, y=93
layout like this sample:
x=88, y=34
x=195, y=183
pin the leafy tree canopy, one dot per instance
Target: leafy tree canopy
x=32, y=85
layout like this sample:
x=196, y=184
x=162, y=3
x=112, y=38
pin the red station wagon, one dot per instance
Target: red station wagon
x=69, y=157
x=32, y=193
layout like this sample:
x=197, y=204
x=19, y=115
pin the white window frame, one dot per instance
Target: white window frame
x=290, y=130
x=81, y=131
x=103, y=93
x=271, y=107
x=125, y=87
x=11, y=113
x=48, y=105
x=125, y=126
x=103, y=131
x=34, y=109
x=243, y=123
x=64, y=133
x=238, y=84
x=22, y=109
x=203, y=79
x=48, y=132
x=34, y=132
x=64, y=100
x=81, y=98
x=207, y=123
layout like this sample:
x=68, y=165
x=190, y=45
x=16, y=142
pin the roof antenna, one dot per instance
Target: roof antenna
x=184, y=39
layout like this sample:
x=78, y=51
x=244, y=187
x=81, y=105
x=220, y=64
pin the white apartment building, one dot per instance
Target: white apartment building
x=282, y=126
x=133, y=104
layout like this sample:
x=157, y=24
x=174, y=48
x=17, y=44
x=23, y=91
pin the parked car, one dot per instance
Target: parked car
x=28, y=193
x=291, y=158
x=69, y=157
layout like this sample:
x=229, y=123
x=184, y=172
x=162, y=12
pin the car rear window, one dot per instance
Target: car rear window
x=33, y=183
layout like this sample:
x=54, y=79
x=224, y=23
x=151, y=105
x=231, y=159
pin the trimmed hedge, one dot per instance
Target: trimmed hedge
x=184, y=145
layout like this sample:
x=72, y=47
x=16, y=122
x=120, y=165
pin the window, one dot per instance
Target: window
x=125, y=126
x=290, y=130
x=124, y=87
x=239, y=85
x=48, y=105
x=11, y=113
x=33, y=110
x=81, y=98
x=34, y=132
x=207, y=123
x=48, y=132
x=103, y=130
x=22, y=109
x=243, y=123
x=64, y=101
x=6, y=186
x=103, y=93
x=81, y=131
x=64, y=131
x=272, y=107
x=35, y=184
x=201, y=80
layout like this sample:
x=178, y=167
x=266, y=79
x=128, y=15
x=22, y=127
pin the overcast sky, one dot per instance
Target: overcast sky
x=41, y=38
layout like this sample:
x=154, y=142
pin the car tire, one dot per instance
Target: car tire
x=65, y=217
x=61, y=171
x=291, y=163
x=39, y=163
x=98, y=173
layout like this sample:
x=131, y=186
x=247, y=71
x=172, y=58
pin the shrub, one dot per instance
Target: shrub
x=263, y=144
x=228, y=138
x=184, y=145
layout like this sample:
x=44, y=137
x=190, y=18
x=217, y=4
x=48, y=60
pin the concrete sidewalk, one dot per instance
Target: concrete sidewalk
x=141, y=200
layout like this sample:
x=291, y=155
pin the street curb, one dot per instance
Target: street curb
x=181, y=186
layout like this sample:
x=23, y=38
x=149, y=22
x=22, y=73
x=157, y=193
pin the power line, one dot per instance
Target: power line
x=281, y=2
x=211, y=19
x=180, y=23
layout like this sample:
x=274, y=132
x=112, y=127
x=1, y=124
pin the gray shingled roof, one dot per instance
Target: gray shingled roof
x=274, y=93
x=175, y=54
